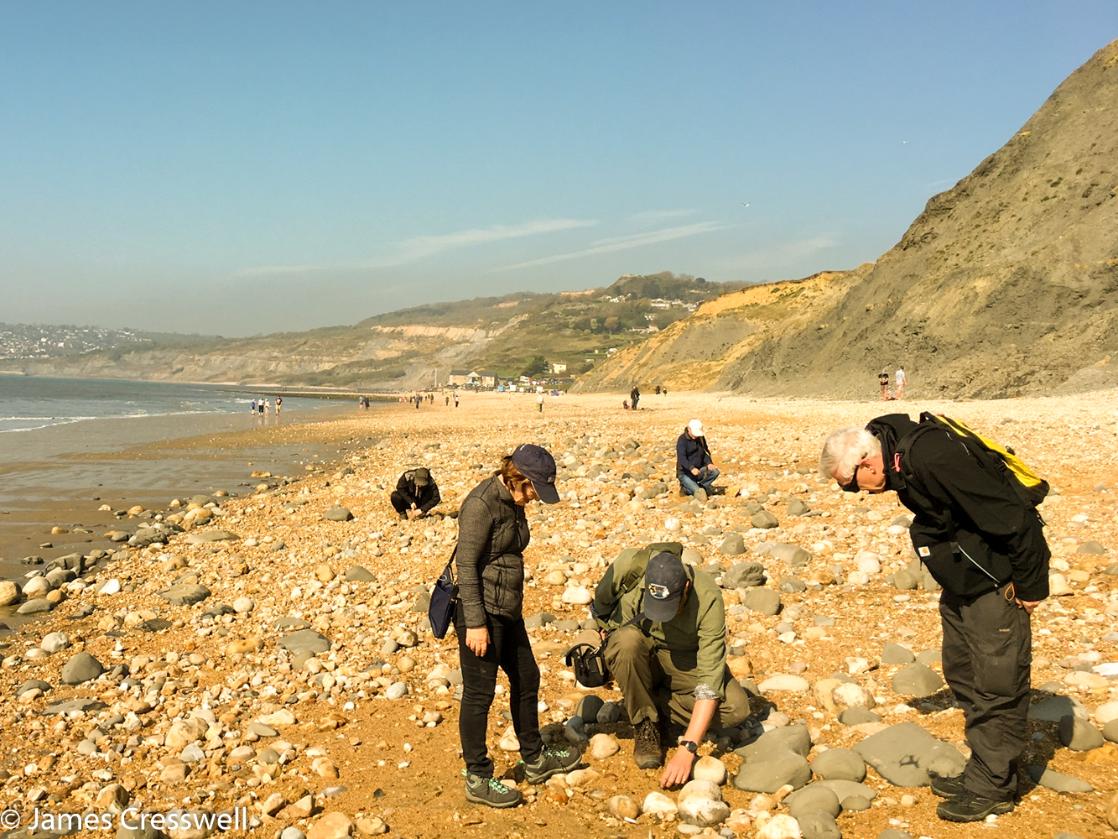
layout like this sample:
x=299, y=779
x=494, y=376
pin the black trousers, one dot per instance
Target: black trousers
x=987, y=661
x=509, y=650
x=399, y=503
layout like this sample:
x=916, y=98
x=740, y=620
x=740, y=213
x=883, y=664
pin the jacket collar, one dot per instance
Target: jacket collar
x=889, y=429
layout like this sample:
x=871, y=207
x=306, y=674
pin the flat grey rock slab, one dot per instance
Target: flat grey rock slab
x=67, y=706
x=359, y=574
x=770, y=772
x=1057, y=781
x=897, y=654
x=794, y=738
x=917, y=680
x=1052, y=709
x=185, y=594
x=201, y=537
x=792, y=555
x=904, y=754
x=338, y=514
x=305, y=641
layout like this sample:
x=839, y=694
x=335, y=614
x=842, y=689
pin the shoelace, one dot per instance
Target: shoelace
x=493, y=783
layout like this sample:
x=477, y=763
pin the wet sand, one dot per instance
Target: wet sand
x=122, y=462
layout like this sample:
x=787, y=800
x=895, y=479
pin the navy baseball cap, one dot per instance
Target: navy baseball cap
x=538, y=466
x=664, y=582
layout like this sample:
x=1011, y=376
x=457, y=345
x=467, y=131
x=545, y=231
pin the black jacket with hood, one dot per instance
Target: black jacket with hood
x=971, y=529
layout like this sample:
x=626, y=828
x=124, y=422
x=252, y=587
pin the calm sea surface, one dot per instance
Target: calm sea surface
x=28, y=403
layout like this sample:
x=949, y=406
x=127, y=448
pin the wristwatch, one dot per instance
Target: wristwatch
x=690, y=745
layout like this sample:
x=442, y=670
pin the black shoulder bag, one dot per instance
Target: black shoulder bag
x=444, y=600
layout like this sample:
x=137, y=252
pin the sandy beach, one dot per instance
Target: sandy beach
x=271, y=664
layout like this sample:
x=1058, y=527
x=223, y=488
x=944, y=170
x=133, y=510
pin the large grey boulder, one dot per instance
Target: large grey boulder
x=763, y=600
x=764, y=520
x=81, y=668
x=839, y=764
x=744, y=575
x=904, y=754
x=1079, y=735
x=813, y=799
x=732, y=544
x=338, y=513
x=792, y=555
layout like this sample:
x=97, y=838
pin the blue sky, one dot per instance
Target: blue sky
x=239, y=168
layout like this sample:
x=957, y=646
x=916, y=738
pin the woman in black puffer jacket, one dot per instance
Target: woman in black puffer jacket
x=489, y=622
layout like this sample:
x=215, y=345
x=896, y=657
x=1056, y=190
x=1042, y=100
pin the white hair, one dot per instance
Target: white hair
x=844, y=450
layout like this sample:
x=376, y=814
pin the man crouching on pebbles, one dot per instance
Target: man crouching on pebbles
x=984, y=544
x=666, y=649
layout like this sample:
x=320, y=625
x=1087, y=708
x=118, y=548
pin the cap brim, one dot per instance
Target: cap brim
x=660, y=610
x=547, y=492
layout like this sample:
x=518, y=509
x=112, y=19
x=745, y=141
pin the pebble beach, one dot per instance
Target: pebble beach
x=256, y=660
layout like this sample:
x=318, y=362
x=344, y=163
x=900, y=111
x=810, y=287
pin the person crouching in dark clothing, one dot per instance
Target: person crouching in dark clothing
x=416, y=494
x=984, y=544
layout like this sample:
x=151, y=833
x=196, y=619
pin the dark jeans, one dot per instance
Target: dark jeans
x=987, y=660
x=510, y=650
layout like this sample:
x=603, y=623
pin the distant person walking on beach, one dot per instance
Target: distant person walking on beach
x=252, y=407
x=279, y=405
x=693, y=465
x=260, y=406
x=446, y=397
x=883, y=381
x=635, y=396
x=901, y=381
x=489, y=621
x=455, y=399
x=416, y=494
x=539, y=400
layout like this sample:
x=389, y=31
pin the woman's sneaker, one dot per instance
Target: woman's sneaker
x=551, y=762
x=490, y=792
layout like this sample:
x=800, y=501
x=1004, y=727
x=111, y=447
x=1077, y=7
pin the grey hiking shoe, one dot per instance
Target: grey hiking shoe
x=646, y=746
x=490, y=792
x=552, y=761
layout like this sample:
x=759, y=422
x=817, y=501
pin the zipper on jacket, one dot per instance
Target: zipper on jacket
x=963, y=551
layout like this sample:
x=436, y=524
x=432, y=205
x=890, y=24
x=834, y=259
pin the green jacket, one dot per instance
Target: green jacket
x=695, y=637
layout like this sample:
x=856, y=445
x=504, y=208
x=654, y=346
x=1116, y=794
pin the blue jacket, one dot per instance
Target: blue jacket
x=691, y=453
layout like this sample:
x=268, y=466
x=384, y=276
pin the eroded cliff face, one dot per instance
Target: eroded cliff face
x=1006, y=284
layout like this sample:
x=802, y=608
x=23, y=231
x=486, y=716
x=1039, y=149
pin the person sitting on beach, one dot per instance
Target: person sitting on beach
x=664, y=625
x=693, y=465
x=416, y=494
x=493, y=534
